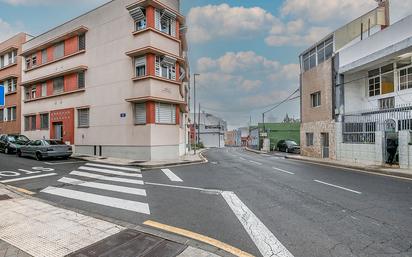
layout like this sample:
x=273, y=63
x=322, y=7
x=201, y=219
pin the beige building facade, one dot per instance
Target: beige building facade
x=112, y=82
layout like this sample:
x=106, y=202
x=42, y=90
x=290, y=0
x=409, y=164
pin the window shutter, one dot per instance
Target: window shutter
x=165, y=113
x=83, y=118
x=58, y=50
x=173, y=72
x=140, y=113
x=157, y=66
x=80, y=79
x=173, y=27
x=82, y=42
x=157, y=20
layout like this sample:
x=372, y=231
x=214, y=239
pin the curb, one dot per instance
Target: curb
x=254, y=151
x=370, y=170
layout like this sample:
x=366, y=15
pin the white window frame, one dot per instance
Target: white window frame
x=81, y=124
x=33, y=92
x=44, y=89
x=407, y=76
x=170, y=70
x=316, y=99
x=57, y=47
x=139, y=62
x=162, y=115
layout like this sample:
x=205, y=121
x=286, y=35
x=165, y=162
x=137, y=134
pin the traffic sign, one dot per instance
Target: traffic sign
x=2, y=96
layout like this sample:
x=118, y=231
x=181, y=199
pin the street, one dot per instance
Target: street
x=263, y=204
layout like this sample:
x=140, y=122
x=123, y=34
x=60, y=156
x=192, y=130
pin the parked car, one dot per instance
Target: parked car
x=41, y=149
x=288, y=146
x=10, y=143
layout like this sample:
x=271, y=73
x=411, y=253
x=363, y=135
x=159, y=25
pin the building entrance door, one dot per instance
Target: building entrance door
x=390, y=155
x=324, y=140
x=58, y=130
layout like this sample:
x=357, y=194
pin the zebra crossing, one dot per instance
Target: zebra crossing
x=123, y=181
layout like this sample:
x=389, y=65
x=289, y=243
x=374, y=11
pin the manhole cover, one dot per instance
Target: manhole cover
x=4, y=197
x=131, y=243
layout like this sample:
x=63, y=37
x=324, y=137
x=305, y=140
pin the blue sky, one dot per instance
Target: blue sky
x=246, y=51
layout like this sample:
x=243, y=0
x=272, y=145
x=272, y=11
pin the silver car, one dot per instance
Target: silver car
x=41, y=149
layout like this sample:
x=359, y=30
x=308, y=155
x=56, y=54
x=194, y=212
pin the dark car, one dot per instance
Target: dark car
x=288, y=146
x=11, y=143
x=41, y=149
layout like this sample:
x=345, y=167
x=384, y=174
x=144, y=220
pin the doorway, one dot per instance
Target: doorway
x=324, y=141
x=390, y=154
x=58, y=130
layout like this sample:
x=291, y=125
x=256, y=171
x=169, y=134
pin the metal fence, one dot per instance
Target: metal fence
x=360, y=127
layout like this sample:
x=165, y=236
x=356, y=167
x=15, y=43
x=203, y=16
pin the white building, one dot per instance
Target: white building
x=375, y=97
x=211, y=130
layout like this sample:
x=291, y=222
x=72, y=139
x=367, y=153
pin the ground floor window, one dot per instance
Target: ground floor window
x=309, y=139
x=30, y=123
x=44, y=121
x=10, y=114
x=315, y=99
x=83, y=118
x=140, y=113
x=165, y=113
x=359, y=133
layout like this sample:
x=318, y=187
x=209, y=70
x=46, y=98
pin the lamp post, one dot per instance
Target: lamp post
x=194, y=111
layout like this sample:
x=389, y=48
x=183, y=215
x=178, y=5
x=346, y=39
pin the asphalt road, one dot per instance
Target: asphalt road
x=308, y=209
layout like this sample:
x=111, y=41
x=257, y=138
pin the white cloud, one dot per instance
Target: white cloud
x=250, y=85
x=8, y=30
x=312, y=35
x=215, y=21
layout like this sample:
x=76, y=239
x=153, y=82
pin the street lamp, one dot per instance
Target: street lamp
x=194, y=102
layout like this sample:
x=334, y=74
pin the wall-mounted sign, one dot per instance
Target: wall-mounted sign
x=2, y=96
x=123, y=115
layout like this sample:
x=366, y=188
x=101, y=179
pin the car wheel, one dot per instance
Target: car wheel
x=38, y=156
x=6, y=150
x=18, y=153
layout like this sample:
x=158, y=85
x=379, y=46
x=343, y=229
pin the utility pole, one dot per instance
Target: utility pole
x=194, y=107
x=219, y=133
x=198, y=131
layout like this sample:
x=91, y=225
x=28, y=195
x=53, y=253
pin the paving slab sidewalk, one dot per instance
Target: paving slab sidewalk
x=190, y=158
x=30, y=227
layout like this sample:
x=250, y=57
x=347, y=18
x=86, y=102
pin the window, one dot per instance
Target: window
x=59, y=50
x=82, y=42
x=58, y=85
x=1, y=115
x=165, y=67
x=13, y=57
x=318, y=54
x=309, y=139
x=44, y=121
x=44, y=89
x=363, y=133
x=387, y=103
x=28, y=62
x=10, y=114
x=83, y=118
x=80, y=79
x=140, y=66
x=33, y=93
x=2, y=61
x=44, y=56
x=165, y=113
x=140, y=113
x=165, y=21
x=27, y=93
x=312, y=58
x=315, y=99
x=375, y=86
x=139, y=16
x=405, y=78
x=10, y=85
x=34, y=60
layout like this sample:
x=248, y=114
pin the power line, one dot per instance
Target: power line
x=285, y=100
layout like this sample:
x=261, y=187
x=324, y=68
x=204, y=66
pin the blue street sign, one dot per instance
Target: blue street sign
x=2, y=96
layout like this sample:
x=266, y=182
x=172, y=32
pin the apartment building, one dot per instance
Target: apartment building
x=376, y=117
x=321, y=86
x=111, y=82
x=10, y=78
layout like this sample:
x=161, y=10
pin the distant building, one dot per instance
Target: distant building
x=230, y=138
x=254, y=138
x=211, y=130
x=280, y=131
x=321, y=85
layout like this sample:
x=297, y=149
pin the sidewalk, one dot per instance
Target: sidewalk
x=190, y=158
x=371, y=168
x=30, y=227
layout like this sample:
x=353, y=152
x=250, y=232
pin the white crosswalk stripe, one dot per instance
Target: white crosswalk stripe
x=113, y=172
x=120, y=181
x=112, y=167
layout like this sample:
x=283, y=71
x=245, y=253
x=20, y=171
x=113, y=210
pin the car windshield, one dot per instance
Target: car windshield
x=53, y=142
x=18, y=139
x=291, y=143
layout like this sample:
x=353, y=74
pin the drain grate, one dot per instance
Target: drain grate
x=131, y=243
x=4, y=197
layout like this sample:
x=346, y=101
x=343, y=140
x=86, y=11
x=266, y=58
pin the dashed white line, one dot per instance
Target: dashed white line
x=340, y=187
x=173, y=177
x=112, y=167
x=257, y=163
x=263, y=238
x=106, y=178
x=112, y=172
x=285, y=171
x=27, y=178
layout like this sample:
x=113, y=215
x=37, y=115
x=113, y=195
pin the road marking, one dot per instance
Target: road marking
x=208, y=240
x=344, y=188
x=112, y=172
x=120, y=189
x=185, y=187
x=257, y=163
x=22, y=190
x=265, y=241
x=27, y=178
x=285, y=171
x=112, y=167
x=101, y=177
x=99, y=199
x=171, y=175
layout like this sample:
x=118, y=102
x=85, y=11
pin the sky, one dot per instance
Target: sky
x=246, y=52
